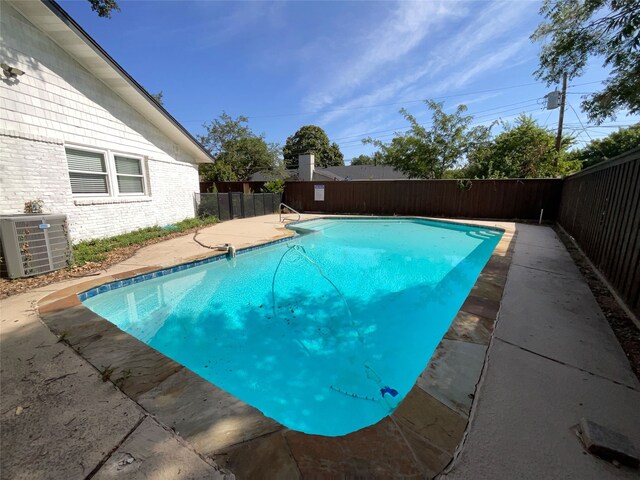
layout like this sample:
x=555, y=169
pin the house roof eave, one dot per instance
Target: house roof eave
x=51, y=19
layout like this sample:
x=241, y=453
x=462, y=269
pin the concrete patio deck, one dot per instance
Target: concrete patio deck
x=553, y=359
x=73, y=425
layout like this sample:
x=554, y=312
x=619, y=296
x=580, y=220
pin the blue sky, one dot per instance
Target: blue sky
x=345, y=66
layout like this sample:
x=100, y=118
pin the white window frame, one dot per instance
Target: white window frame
x=143, y=169
x=107, y=173
x=111, y=172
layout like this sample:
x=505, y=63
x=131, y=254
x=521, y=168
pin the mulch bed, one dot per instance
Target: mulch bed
x=625, y=330
x=10, y=287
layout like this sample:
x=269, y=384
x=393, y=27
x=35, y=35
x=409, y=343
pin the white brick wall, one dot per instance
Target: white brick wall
x=58, y=102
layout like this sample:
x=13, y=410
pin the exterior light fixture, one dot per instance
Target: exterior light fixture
x=11, y=72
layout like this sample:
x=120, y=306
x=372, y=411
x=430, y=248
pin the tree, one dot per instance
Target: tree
x=577, y=30
x=602, y=149
x=375, y=159
x=237, y=151
x=104, y=7
x=312, y=139
x=429, y=153
x=362, y=160
x=158, y=97
x=523, y=150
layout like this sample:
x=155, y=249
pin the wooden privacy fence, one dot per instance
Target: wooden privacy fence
x=600, y=208
x=227, y=206
x=502, y=199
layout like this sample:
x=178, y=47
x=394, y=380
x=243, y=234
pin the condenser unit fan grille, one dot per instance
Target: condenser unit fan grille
x=34, y=244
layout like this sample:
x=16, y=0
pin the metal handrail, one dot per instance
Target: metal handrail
x=287, y=206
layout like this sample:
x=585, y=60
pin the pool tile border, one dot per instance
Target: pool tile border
x=161, y=272
x=424, y=430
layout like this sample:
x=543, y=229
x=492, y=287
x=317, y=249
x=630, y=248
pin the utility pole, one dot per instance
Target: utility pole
x=563, y=97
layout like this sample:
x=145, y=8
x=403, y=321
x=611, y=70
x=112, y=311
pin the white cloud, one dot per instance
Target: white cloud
x=456, y=60
x=379, y=46
x=235, y=21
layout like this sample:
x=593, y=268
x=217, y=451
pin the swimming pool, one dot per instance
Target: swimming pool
x=325, y=332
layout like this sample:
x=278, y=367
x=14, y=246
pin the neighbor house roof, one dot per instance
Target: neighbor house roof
x=344, y=172
x=267, y=175
x=49, y=17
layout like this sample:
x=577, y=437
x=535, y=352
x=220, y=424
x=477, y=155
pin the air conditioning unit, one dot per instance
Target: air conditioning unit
x=33, y=244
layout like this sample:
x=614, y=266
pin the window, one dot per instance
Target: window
x=102, y=173
x=88, y=172
x=129, y=173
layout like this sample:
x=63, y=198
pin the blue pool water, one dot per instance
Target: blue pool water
x=311, y=330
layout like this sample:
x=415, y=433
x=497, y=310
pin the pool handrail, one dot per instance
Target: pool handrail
x=287, y=206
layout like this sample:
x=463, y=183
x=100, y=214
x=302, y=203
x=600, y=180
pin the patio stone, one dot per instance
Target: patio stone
x=496, y=266
x=488, y=290
x=432, y=459
x=495, y=278
x=105, y=345
x=152, y=452
x=378, y=451
x=431, y=419
x=75, y=289
x=265, y=457
x=481, y=306
x=452, y=374
x=471, y=328
x=206, y=416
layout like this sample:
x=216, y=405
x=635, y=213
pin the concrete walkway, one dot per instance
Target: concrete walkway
x=553, y=360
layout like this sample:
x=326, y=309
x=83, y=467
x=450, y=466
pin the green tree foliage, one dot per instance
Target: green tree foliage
x=576, y=30
x=362, y=160
x=522, y=150
x=237, y=151
x=603, y=149
x=158, y=97
x=274, y=186
x=312, y=139
x=429, y=153
x=375, y=159
x=104, y=7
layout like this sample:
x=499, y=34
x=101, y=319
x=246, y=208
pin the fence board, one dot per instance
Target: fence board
x=600, y=209
x=502, y=199
x=227, y=206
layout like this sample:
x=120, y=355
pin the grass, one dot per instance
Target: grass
x=97, y=250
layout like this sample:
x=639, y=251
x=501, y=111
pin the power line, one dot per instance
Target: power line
x=357, y=142
x=622, y=125
x=403, y=102
x=443, y=97
x=470, y=113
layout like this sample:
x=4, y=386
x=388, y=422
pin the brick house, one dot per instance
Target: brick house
x=78, y=133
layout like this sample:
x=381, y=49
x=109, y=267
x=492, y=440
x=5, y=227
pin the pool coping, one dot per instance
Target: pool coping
x=419, y=439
